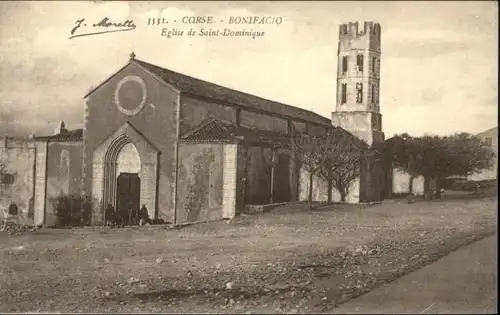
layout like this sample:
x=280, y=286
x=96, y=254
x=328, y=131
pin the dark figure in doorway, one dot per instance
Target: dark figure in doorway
x=133, y=217
x=110, y=215
x=123, y=216
x=144, y=215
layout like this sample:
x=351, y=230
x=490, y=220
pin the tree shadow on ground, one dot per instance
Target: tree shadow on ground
x=487, y=193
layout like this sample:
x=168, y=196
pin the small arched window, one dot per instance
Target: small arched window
x=13, y=210
x=344, y=64
x=374, y=100
x=374, y=64
x=64, y=163
x=359, y=92
x=343, y=94
x=359, y=62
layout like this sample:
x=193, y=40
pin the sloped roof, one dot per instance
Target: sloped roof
x=488, y=133
x=70, y=135
x=216, y=130
x=213, y=130
x=198, y=87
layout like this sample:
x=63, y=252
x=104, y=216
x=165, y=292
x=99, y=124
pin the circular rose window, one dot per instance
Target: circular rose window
x=131, y=95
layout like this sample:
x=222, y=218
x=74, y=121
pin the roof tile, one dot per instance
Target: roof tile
x=216, y=130
x=213, y=91
x=70, y=135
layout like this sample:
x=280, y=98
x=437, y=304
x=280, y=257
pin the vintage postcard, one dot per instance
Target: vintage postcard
x=248, y=156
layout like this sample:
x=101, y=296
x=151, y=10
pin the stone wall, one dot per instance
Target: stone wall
x=40, y=181
x=18, y=157
x=316, y=130
x=364, y=125
x=401, y=180
x=487, y=174
x=320, y=189
x=229, y=182
x=195, y=111
x=64, y=174
x=263, y=122
x=368, y=187
x=299, y=126
x=200, y=182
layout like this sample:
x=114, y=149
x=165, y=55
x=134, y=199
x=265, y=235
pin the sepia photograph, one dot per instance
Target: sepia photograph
x=249, y=157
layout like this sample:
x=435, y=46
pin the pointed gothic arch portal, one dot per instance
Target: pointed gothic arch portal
x=129, y=153
x=116, y=160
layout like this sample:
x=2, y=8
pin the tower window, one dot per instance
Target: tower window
x=374, y=63
x=359, y=92
x=7, y=179
x=344, y=65
x=343, y=94
x=343, y=30
x=373, y=94
x=359, y=63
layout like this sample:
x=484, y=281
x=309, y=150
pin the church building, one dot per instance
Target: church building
x=190, y=150
x=183, y=146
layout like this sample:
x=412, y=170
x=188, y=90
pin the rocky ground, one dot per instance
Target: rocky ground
x=289, y=260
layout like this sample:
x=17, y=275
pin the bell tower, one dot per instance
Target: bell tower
x=357, y=108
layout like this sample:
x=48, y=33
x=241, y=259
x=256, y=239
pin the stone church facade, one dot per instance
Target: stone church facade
x=193, y=144
x=190, y=150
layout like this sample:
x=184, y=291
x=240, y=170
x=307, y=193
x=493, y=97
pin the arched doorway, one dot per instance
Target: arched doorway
x=121, y=175
x=125, y=152
x=128, y=182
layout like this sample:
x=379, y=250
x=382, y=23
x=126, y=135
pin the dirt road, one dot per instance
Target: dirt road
x=288, y=260
x=464, y=282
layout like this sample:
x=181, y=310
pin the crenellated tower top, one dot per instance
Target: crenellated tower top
x=351, y=36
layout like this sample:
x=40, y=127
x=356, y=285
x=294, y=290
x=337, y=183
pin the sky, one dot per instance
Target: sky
x=438, y=68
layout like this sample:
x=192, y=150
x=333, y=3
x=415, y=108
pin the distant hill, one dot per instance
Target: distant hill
x=493, y=133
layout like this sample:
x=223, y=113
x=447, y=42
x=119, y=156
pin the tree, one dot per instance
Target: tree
x=3, y=168
x=469, y=154
x=340, y=161
x=461, y=154
x=439, y=157
x=406, y=154
x=307, y=150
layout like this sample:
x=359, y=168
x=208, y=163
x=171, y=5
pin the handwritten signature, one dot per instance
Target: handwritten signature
x=103, y=27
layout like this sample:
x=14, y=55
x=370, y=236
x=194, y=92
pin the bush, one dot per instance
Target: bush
x=72, y=210
x=487, y=183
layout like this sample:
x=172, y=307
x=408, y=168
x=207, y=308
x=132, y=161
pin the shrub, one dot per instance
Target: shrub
x=72, y=210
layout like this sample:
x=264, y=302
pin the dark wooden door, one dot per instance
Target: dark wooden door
x=281, y=187
x=128, y=193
